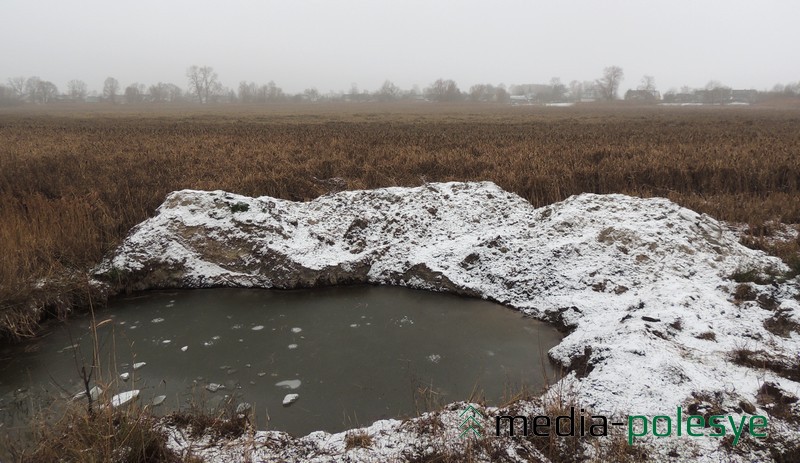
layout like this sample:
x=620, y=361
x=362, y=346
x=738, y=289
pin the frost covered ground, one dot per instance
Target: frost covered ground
x=644, y=288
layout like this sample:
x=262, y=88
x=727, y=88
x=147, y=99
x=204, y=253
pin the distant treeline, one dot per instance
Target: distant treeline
x=203, y=86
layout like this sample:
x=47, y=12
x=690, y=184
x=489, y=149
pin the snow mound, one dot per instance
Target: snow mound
x=643, y=286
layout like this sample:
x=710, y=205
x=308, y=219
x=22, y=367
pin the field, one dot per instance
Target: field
x=74, y=180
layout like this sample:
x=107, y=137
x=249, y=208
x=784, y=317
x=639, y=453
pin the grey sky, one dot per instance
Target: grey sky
x=332, y=44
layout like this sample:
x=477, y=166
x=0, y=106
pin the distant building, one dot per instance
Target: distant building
x=642, y=95
x=520, y=99
x=744, y=96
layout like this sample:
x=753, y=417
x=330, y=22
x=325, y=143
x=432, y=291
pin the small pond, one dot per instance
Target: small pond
x=352, y=354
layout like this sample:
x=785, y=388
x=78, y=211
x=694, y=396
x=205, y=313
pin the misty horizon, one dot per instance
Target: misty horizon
x=333, y=47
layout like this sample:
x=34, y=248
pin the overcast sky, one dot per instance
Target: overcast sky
x=332, y=44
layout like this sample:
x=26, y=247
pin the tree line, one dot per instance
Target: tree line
x=204, y=87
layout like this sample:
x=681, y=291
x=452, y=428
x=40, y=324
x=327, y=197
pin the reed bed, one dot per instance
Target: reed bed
x=74, y=180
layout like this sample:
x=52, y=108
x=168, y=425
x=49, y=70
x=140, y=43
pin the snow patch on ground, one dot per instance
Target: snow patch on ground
x=643, y=285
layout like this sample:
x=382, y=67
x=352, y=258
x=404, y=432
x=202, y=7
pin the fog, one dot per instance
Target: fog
x=331, y=45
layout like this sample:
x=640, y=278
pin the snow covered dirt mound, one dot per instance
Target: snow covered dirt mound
x=643, y=285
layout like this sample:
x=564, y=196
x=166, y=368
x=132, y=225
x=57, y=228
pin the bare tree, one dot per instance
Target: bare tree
x=609, y=83
x=32, y=87
x=311, y=94
x=648, y=84
x=17, y=85
x=576, y=91
x=273, y=92
x=159, y=93
x=110, y=89
x=203, y=83
x=480, y=92
x=443, y=90
x=501, y=95
x=47, y=91
x=247, y=92
x=77, y=90
x=134, y=93
x=388, y=91
x=40, y=91
x=715, y=93
x=558, y=90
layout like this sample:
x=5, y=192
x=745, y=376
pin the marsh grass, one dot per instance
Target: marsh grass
x=74, y=181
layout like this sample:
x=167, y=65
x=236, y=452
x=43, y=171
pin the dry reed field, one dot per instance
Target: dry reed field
x=74, y=180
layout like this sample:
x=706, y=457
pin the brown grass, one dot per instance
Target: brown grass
x=74, y=180
x=131, y=435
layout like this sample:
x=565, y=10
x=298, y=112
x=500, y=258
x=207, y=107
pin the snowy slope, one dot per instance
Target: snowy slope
x=642, y=285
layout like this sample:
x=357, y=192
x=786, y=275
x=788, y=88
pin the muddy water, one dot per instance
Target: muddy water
x=351, y=354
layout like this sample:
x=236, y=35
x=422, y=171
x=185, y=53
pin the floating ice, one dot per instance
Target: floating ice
x=289, y=383
x=184, y=348
x=124, y=397
x=290, y=399
x=158, y=400
x=434, y=358
x=257, y=328
x=157, y=320
x=94, y=393
x=138, y=365
x=292, y=346
x=296, y=330
x=243, y=407
x=214, y=387
x=125, y=376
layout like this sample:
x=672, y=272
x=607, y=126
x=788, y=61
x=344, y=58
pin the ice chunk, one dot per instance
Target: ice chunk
x=138, y=365
x=94, y=393
x=243, y=407
x=289, y=383
x=124, y=397
x=158, y=400
x=290, y=399
x=214, y=387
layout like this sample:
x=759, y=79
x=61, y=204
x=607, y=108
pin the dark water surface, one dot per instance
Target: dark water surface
x=353, y=354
